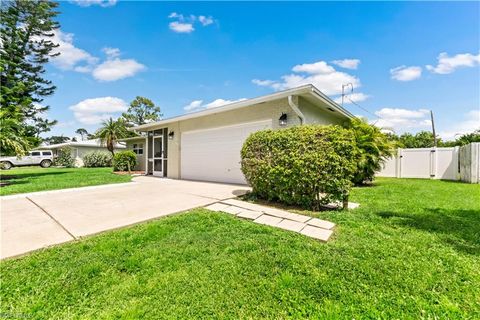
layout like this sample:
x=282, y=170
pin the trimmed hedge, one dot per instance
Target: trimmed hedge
x=307, y=165
x=64, y=158
x=97, y=159
x=124, y=160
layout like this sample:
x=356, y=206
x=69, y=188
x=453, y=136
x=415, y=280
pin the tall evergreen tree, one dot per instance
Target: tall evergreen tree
x=141, y=110
x=25, y=47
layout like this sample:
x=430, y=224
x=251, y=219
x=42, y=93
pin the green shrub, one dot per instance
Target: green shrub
x=374, y=148
x=306, y=165
x=124, y=160
x=64, y=158
x=97, y=159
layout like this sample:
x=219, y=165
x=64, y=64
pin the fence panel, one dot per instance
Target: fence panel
x=435, y=163
x=469, y=163
x=447, y=164
x=416, y=163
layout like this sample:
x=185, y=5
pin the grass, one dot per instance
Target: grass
x=411, y=251
x=31, y=179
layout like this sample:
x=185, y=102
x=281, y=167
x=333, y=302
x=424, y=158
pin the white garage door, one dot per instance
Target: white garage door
x=214, y=154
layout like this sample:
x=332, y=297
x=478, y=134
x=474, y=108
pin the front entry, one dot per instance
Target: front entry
x=158, y=155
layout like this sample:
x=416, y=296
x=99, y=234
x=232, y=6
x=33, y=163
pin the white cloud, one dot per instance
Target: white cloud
x=404, y=73
x=116, y=69
x=185, y=24
x=320, y=74
x=355, y=97
x=347, y=63
x=320, y=67
x=447, y=64
x=470, y=123
x=95, y=110
x=263, y=83
x=71, y=57
x=88, y=3
x=111, y=52
x=197, y=105
x=180, y=27
x=399, y=119
x=205, y=21
x=79, y=60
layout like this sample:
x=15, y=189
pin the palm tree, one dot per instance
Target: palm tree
x=110, y=132
x=11, y=142
x=374, y=149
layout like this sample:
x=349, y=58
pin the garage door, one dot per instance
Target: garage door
x=214, y=154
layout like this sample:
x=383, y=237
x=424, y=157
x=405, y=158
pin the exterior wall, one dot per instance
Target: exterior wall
x=315, y=115
x=264, y=111
x=141, y=158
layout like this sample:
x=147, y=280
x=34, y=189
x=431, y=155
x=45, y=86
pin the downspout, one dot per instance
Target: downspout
x=296, y=109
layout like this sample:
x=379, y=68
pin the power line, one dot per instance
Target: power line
x=364, y=109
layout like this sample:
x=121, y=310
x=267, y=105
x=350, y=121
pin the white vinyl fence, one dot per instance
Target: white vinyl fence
x=458, y=163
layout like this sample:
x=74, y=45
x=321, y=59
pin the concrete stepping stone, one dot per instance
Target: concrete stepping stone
x=317, y=233
x=233, y=210
x=305, y=225
x=270, y=211
x=268, y=220
x=249, y=214
x=321, y=223
x=217, y=206
x=291, y=225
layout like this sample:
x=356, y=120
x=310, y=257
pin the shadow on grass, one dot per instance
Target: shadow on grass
x=18, y=177
x=459, y=228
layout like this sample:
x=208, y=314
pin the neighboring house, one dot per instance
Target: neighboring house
x=80, y=148
x=206, y=145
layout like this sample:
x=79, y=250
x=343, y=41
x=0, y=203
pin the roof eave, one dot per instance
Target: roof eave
x=229, y=107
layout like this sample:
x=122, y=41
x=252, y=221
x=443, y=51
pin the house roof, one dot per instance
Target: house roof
x=306, y=90
x=88, y=143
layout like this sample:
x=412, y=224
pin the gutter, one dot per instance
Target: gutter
x=296, y=109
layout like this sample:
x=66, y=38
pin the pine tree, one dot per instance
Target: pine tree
x=141, y=110
x=25, y=47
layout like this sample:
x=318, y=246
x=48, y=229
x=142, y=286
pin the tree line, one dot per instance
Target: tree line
x=425, y=139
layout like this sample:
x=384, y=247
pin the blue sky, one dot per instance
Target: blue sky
x=404, y=58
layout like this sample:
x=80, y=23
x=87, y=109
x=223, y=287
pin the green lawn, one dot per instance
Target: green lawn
x=412, y=251
x=31, y=179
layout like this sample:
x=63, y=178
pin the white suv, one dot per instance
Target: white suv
x=42, y=158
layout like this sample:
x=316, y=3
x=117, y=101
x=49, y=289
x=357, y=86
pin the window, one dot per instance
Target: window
x=138, y=148
x=35, y=153
x=46, y=153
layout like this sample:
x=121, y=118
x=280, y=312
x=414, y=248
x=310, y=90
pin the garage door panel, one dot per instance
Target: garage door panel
x=214, y=154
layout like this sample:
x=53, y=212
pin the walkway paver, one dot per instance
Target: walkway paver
x=291, y=225
x=308, y=226
x=249, y=214
x=268, y=220
x=321, y=223
x=317, y=233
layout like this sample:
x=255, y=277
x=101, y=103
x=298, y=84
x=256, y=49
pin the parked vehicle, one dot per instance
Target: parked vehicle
x=42, y=158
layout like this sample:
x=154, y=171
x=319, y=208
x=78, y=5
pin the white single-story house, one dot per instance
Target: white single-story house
x=80, y=148
x=206, y=145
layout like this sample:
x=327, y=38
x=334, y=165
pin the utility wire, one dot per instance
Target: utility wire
x=364, y=109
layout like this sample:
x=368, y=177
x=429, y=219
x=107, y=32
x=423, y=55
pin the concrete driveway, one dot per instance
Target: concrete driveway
x=36, y=220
